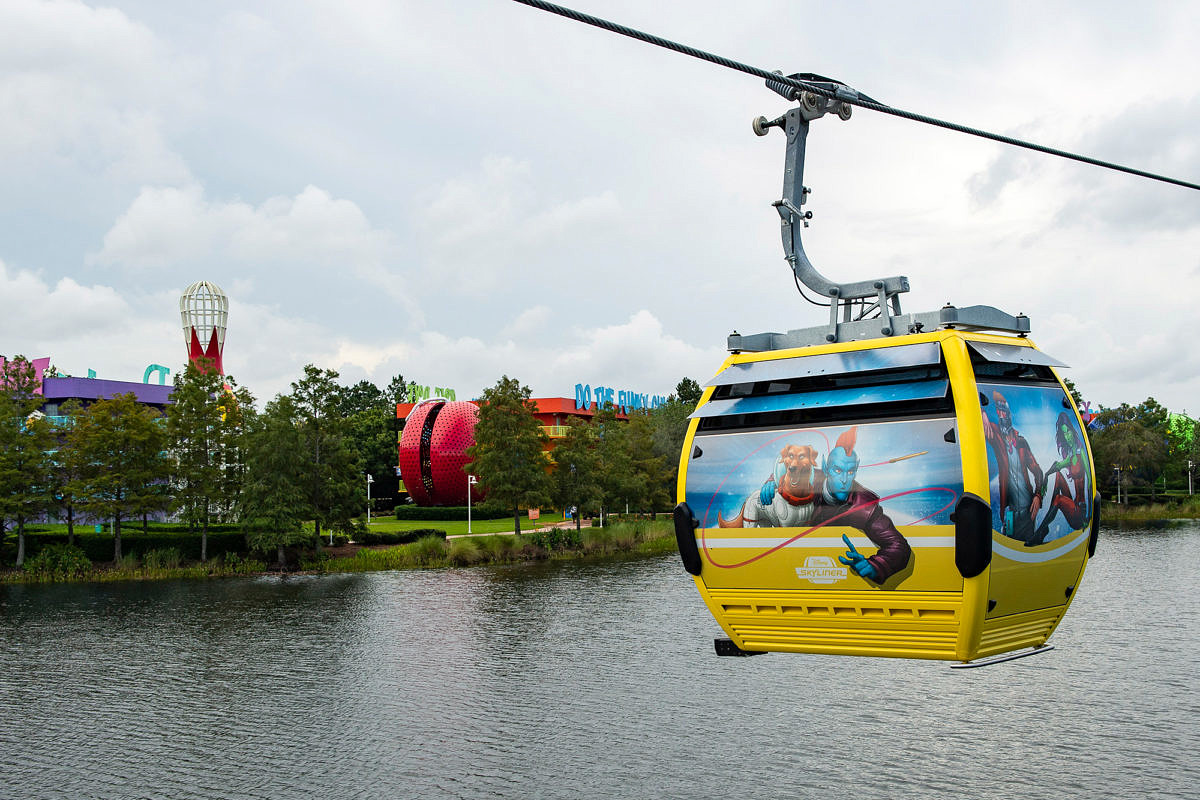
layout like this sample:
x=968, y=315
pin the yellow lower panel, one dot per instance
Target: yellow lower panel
x=1017, y=631
x=894, y=624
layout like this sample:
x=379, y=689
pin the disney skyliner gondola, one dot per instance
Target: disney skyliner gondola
x=885, y=484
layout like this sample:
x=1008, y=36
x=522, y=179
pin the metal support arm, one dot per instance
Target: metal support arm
x=884, y=292
x=878, y=294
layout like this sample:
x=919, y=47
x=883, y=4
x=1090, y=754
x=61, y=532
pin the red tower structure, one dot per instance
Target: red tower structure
x=204, y=311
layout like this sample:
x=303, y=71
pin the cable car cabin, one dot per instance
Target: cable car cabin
x=921, y=496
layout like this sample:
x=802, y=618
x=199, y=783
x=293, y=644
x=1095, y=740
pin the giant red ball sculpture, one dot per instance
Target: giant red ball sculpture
x=433, y=452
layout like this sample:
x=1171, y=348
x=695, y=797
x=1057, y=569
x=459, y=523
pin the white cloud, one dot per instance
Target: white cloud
x=88, y=87
x=504, y=191
x=500, y=219
x=312, y=236
x=83, y=327
x=171, y=225
x=118, y=333
x=637, y=354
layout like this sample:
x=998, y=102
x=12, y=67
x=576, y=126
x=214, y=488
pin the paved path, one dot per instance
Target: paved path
x=524, y=529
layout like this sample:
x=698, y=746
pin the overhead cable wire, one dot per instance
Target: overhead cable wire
x=848, y=97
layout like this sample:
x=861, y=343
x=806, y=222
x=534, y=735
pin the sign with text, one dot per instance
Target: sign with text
x=624, y=399
x=417, y=393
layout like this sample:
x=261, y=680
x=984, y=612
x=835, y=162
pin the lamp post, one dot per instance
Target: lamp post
x=471, y=481
x=575, y=491
x=370, y=480
x=1190, y=466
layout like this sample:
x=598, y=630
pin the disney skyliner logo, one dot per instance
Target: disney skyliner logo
x=821, y=569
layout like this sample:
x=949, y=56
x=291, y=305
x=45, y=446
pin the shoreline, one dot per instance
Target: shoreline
x=555, y=542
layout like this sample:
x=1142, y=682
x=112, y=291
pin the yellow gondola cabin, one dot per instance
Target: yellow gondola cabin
x=921, y=496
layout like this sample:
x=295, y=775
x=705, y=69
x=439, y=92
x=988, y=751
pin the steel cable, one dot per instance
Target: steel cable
x=843, y=97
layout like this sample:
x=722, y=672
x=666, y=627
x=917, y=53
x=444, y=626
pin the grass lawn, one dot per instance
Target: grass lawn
x=457, y=527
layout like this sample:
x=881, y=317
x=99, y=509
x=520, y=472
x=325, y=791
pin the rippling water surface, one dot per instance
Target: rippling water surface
x=577, y=681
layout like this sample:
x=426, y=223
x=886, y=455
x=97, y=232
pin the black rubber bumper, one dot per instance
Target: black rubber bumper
x=685, y=537
x=972, y=535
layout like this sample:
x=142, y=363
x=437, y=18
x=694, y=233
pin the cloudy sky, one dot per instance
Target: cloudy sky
x=454, y=191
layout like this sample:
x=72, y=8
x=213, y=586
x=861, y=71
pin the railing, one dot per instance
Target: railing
x=556, y=431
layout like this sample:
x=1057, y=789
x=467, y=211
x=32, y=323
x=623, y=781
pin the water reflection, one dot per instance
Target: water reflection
x=570, y=680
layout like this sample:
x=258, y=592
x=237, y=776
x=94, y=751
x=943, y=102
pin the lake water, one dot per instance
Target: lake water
x=577, y=681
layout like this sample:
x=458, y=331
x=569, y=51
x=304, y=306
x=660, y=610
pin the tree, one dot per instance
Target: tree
x=274, y=499
x=508, y=454
x=1135, y=440
x=397, y=390
x=372, y=436
x=650, y=490
x=333, y=485
x=25, y=439
x=194, y=432
x=1191, y=453
x=688, y=392
x=62, y=471
x=577, y=466
x=1074, y=392
x=237, y=418
x=618, y=480
x=670, y=421
x=362, y=396
x=115, y=449
x=370, y=417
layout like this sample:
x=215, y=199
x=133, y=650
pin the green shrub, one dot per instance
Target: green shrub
x=597, y=541
x=497, y=548
x=58, y=561
x=239, y=565
x=429, y=549
x=398, y=537
x=163, y=558
x=465, y=552
x=99, y=547
x=314, y=561
x=556, y=539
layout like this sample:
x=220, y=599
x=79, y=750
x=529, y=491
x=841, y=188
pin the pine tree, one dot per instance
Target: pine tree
x=193, y=433
x=509, y=452
x=651, y=490
x=237, y=418
x=362, y=396
x=577, y=463
x=274, y=501
x=397, y=390
x=333, y=479
x=371, y=435
x=619, y=483
x=688, y=392
x=25, y=439
x=670, y=421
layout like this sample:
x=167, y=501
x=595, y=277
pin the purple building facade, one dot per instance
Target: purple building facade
x=57, y=391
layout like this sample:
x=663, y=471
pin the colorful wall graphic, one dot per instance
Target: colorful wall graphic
x=860, y=506
x=1037, y=463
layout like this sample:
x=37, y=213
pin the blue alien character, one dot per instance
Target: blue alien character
x=858, y=507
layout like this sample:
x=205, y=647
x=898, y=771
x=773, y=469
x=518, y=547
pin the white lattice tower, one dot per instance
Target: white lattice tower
x=204, y=311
